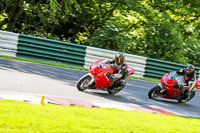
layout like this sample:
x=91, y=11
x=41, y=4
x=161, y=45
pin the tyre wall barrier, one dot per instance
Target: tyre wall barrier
x=8, y=43
x=50, y=50
x=31, y=47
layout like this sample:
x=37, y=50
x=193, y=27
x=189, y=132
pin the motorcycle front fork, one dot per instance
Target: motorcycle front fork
x=162, y=88
x=92, y=81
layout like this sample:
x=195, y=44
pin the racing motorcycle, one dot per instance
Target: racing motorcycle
x=168, y=88
x=99, y=78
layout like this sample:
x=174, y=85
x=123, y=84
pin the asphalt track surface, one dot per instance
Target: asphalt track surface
x=33, y=78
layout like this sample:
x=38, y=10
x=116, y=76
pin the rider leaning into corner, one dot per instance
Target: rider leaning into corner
x=118, y=78
x=190, y=77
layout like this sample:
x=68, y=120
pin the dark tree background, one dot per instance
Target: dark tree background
x=162, y=29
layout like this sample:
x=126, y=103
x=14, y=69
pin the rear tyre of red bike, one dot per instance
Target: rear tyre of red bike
x=116, y=89
x=185, y=99
x=154, y=92
x=118, y=86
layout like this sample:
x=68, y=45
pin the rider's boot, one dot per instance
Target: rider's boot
x=182, y=90
x=188, y=94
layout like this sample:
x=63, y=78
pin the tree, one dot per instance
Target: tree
x=160, y=29
x=164, y=40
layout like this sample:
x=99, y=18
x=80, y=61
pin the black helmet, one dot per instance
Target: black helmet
x=189, y=68
x=119, y=58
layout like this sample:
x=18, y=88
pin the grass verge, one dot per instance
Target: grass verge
x=67, y=66
x=21, y=117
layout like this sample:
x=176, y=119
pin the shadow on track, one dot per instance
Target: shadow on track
x=119, y=98
x=69, y=76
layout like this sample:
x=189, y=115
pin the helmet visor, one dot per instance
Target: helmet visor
x=119, y=61
x=188, y=70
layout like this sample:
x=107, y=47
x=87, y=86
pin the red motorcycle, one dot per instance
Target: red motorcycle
x=166, y=89
x=98, y=78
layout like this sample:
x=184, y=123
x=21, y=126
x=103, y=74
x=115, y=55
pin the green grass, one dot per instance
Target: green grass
x=68, y=66
x=21, y=117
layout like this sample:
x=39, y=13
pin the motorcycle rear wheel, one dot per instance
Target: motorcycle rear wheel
x=154, y=92
x=83, y=83
x=185, y=99
x=115, y=90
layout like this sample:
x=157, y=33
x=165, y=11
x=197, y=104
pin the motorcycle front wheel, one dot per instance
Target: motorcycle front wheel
x=83, y=82
x=154, y=92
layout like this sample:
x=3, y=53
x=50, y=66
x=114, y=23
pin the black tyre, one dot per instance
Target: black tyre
x=118, y=86
x=154, y=92
x=185, y=99
x=83, y=82
x=115, y=90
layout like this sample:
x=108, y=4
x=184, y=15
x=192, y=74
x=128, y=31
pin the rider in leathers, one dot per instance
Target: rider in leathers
x=121, y=74
x=189, y=75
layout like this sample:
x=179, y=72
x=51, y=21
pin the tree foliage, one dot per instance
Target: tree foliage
x=162, y=29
